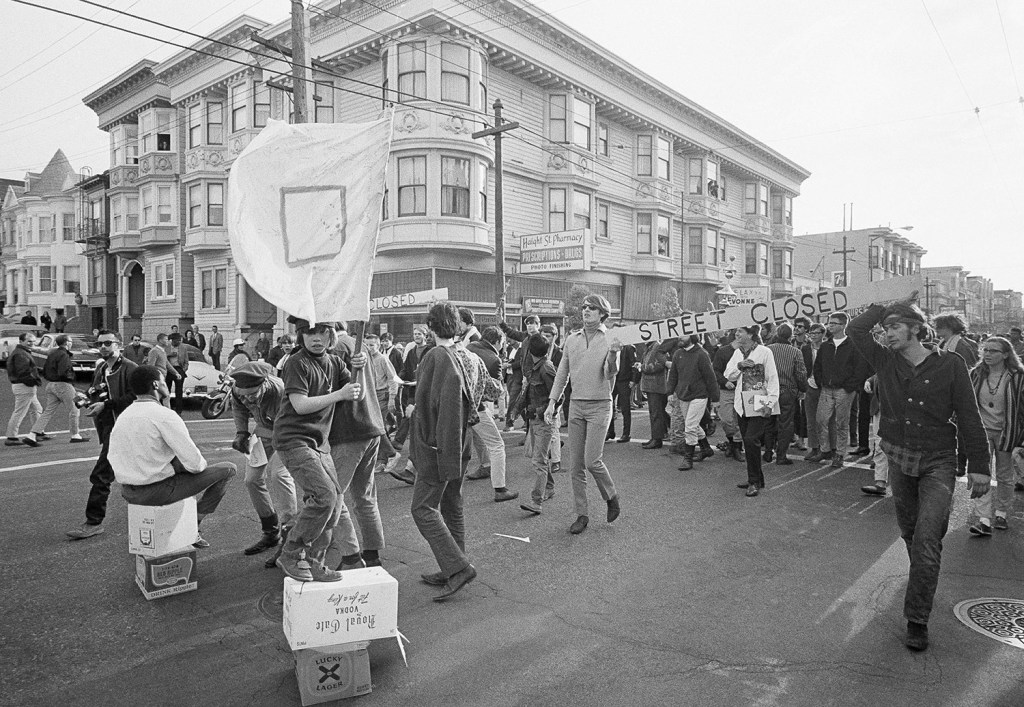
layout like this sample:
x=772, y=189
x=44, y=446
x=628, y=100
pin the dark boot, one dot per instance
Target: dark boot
x=781, y=453
x=271, y=536
x=737, y=452
x=706, y=452
x=687, y=458
x=728, y=448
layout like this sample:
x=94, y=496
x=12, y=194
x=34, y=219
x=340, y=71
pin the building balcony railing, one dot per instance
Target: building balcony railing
x=93, y=232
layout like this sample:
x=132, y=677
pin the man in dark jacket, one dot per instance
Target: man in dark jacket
x=29, y=319
x=692, y=384
x=625, y=380
x=111, y=395
x=515, y=386
x=421, y=345
x=23, y=373
x=137, y=352
x=789, y=363
x=839, y=372
x=920, y=393
x=60, y=373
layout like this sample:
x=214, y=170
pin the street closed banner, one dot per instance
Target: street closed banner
x=304, y=211
x=811, y=305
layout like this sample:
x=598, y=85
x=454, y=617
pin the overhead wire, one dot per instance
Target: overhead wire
x=76, y=95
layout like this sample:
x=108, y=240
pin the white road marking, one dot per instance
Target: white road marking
x=803, y=476
x=513, y=537
x=93, y=429
x=52, y=462
x=877, y=501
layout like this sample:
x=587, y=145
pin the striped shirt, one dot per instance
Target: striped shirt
x=789, y=362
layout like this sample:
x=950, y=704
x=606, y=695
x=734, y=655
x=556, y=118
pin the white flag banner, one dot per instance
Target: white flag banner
x=304, y=211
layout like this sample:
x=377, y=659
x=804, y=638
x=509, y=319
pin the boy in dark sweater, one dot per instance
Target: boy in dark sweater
x=693, y=384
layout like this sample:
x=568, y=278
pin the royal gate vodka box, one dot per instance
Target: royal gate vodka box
x=361, y=607
x=157, y=530
x=166, y=575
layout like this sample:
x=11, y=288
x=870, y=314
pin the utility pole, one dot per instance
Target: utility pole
x=300, y=66
x=845, y=251
x=928, y=285
x=500, y=126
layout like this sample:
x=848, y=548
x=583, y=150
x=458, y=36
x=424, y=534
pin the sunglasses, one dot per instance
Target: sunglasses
x=589, y=306
x=106, y=343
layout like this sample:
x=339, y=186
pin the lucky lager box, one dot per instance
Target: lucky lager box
x=332, y=672
x=157, y=530
x=361, y=607
x=169, y=574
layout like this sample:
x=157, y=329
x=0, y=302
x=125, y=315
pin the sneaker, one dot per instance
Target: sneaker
x=917, y=636
x=980, y=529
x=295, y=565
x=324, y=574
x=78, y=440
x=86, y=531
x=531, y=507
x=30, y=441
x=200, y=543
x=504, y=495
x=357, y=565
x=873, y=490
x=837, y=461
x=42, y=436
x=999, y=523
x=752, y=490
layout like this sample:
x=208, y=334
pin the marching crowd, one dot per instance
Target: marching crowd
x=319, y=416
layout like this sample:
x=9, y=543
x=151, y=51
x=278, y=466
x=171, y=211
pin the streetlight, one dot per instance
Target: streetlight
x=725, y=293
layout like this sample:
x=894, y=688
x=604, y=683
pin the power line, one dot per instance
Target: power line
x=1009, y=55
x=75, y=96
x=63, y=53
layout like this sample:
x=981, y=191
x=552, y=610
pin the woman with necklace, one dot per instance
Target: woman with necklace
x=999, y=386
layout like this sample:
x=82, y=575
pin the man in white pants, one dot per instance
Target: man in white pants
x=486, y=435
x=60, y=373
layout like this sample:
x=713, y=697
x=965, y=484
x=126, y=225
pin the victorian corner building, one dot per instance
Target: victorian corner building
x=666, y=191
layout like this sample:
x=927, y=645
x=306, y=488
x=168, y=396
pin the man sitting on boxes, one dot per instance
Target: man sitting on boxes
x=154, y=458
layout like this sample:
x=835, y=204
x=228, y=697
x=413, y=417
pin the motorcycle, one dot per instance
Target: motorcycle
x=219, y=400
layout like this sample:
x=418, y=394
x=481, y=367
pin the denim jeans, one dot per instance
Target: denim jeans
x=834, y=419
x=541, y=433
x=271, y=487
x=438, y=513
x=25, y=404
x=354, y=462
x=212, y=482
x=1002, y=492
x=313, y=470
x=58, y=392
x=923, y=503
x=588, y=427
x=727, y=412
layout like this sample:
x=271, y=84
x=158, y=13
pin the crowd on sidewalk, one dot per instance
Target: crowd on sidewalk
x=321, y=415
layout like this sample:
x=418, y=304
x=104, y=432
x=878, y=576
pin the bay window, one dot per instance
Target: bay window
x=261, y=105
x=556, y=210
x=644, y=225
x=664, y=235
x=72, y=280
x=195, y=125
x=750, y=258
x=147, y=206
x=455, y=73
x=117, y=215
x=412, y=186
x=164, y=204
x=215, y=204
x=412, y=71
x=239, y=107
x=163, y=280
x=664, y=158
x=580, y=210
x=557, y=123
x=762, y=252
x=195, y=205
x=696, y=175
x=695, y=241
x=481, y=185
x=580, y=123
x=455, y=187
x=644, y=155
x=602, y=139
x=215, y=123
x=711, y=239
x=68, y=231
x=132, y=212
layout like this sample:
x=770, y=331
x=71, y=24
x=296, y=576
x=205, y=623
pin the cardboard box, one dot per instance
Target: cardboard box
x=332, y=672
x=154, y=531
x=166, y=575
x=361, y=607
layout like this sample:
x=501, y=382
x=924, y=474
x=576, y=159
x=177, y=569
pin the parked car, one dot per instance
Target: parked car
x=9, y=335
x=83, y=355
x=201, y=378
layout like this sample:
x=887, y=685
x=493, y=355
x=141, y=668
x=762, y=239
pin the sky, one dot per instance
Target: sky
x=911, y=111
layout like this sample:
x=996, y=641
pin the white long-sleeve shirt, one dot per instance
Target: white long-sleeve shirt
x=145, y=438
x=759, y=384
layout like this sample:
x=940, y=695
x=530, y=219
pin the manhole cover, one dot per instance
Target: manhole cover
x=1001, y=619
x=271, y=605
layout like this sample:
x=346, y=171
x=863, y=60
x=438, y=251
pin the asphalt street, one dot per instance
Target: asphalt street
x=697, y=595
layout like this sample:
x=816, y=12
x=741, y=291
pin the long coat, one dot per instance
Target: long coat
x=439, y=443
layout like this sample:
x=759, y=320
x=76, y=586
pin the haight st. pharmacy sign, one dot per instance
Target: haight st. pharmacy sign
x=555, y=252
